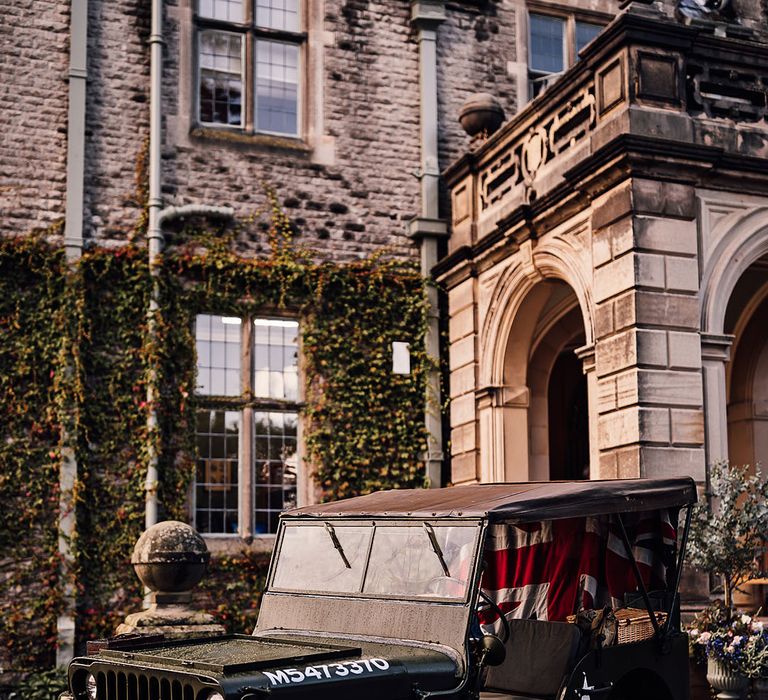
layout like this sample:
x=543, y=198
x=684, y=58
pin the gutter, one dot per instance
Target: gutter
x=73, y=246
x=427, y=228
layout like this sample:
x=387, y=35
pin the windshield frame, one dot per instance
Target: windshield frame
x=338, y=522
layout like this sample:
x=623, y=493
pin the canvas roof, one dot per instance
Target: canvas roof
x=515, y=502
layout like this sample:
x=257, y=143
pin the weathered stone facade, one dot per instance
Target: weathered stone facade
x=349, y=186
x=630, y=198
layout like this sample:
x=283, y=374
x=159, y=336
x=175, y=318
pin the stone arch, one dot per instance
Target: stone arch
x=741, y=239
x=537, y=308
x=510, y=294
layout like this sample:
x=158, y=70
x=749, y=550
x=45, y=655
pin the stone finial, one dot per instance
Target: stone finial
x=481, y=115
x=170, y=559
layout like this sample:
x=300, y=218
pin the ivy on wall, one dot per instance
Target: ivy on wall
x=363, y=426
x=31, y=301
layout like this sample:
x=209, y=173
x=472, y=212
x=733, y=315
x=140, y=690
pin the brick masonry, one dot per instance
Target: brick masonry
x=34, y=56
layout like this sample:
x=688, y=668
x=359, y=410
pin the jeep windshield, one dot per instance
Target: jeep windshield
x=413, y=560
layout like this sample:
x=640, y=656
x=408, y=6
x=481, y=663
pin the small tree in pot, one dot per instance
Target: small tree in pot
x=728, y=533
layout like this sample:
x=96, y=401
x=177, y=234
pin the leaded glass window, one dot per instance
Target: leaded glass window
x=250, y=56
x=247, y=423
x=554, y=41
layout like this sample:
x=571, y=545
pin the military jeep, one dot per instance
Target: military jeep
x=557, y=590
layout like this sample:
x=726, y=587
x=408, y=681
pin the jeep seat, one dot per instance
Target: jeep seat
x=539, y=655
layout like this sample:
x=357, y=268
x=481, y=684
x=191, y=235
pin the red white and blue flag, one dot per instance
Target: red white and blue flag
x=548, y=570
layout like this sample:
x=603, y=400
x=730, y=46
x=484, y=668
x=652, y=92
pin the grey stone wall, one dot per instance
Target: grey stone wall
x=475, y=44
x=117, y=116
x=34, y=45
x=351, y=203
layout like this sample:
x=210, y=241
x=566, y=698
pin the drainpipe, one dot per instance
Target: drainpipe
x=428, y=228
x=154, y=245
x=73, y=246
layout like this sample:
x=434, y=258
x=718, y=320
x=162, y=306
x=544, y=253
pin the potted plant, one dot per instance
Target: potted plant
x=727, y=539
x=755, y=661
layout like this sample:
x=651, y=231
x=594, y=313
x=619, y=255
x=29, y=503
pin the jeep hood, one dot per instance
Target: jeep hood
x=286, y=665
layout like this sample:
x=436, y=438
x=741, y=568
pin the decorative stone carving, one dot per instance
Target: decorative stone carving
x=525, y=157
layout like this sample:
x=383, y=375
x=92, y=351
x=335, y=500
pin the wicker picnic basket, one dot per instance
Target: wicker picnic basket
x=633, y=624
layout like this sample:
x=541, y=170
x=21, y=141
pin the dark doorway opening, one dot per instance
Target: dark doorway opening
x=568, y=419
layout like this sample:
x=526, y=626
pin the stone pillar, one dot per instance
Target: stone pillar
x=715, y=354
x=170, y=558
x=463, y=367
x=647, y=353
x=587, y=356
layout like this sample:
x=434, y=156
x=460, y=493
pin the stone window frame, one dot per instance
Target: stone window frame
x=570, y=14
x=251, y=33
x=246, y=404
x=312, y=142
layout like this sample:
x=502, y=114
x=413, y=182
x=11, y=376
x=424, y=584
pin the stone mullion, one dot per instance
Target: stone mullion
x=249, y=71
x=245, y=461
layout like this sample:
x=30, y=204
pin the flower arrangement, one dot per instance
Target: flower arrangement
x=732, y=639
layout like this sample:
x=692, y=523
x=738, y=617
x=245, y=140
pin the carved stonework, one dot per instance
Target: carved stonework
x=733, y=93
x=521, y=163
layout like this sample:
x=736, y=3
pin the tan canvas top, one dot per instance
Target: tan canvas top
x=518, y=502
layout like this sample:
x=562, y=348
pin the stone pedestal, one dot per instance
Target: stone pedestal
x=171, y=616
x=170, y=558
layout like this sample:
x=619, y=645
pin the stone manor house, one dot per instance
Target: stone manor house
x=603, y=255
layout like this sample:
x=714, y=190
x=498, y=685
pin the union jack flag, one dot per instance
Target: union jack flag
x=550, y=569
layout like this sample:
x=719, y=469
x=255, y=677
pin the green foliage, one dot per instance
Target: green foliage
x=728, y=532
x=86, y=380
x=231, y=590
x=43, y=685
x=31, y=302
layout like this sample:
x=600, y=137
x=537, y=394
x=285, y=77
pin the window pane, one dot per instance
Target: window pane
x=309, y=560
x=277, y=89
x=275, y=467
x=275, y=358
x=547, y=53
x=221, y=81
x=216, y=475
x=585, y=32
x=227, y=10
x=405, y=562
x=278, y=14
x=218, y=355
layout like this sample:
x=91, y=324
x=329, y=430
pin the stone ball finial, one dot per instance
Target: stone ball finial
x=170, y=557
x=481, y=114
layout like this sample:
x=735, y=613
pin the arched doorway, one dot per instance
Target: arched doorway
x=746, y=319
x=546, y=423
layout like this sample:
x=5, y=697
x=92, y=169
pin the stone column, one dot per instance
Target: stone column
x=586, y=354
x=463, y=367
x=715, y=354
x=647, y=353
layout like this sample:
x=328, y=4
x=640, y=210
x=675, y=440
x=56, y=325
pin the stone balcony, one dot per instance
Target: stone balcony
x=647, y=93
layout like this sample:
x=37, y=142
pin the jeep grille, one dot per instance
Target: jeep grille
x=129, y=685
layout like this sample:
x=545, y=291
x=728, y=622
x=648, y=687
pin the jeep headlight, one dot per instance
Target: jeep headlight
x=215, y=695
x=90, y=687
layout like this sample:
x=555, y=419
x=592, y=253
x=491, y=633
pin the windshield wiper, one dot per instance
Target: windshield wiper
x=337, y=544
x=436, y=548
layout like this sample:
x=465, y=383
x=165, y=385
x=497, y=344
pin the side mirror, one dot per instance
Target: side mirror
x=494, y=651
